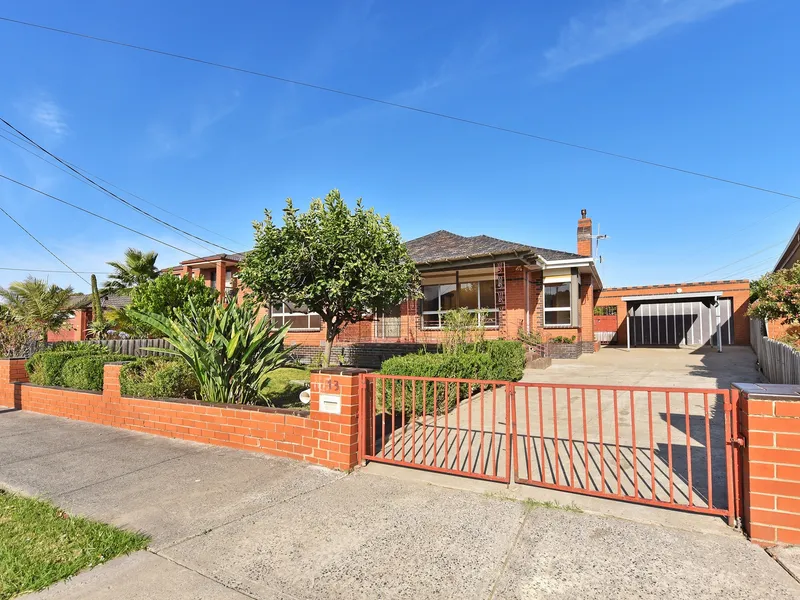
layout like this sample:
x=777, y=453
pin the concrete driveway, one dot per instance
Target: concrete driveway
x=234, y=525
x=691, y=367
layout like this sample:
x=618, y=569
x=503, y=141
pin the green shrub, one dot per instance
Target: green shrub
x=497, y=360
x=563, y=339
x=158, y=378
x=44, y=367
x=86, y=372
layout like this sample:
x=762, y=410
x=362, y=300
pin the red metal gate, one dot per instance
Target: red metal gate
x=455, y=426
x=667, y=447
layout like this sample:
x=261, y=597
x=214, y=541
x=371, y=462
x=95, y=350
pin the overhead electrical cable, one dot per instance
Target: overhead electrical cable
x=407, y=107
x=75, y=206
x=35, y=239
x=112, y=194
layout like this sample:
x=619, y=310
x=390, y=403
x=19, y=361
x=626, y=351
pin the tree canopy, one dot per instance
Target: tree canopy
x=338, y=263
x=136, y=268
x=776, y=296
x=40, y=306
x=167, y=294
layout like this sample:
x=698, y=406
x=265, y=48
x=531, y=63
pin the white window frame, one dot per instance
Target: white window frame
x=567, y=309
x=478, y=310
x=280, y=318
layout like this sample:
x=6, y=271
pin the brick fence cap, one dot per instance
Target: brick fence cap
x=340, y=371
x=770, y=390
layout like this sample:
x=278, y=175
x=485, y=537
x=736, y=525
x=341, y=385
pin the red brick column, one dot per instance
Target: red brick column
x=770, y=426
x=335, y=435
x=111, y=386
x=12, y=370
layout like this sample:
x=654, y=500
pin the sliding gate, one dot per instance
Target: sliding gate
x=667, y=447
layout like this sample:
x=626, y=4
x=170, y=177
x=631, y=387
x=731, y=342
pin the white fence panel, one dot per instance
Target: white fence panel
x=779, y=362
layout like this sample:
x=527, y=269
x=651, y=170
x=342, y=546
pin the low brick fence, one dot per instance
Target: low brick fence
x=327, y=438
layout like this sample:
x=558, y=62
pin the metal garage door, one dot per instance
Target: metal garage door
x=691, y=323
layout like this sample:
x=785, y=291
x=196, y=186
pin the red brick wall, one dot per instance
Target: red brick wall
x=329, y=440
x=771, y=478
x=738, y=290
x=74, y=330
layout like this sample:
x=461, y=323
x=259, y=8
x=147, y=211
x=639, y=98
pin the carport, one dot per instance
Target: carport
x=679, y=319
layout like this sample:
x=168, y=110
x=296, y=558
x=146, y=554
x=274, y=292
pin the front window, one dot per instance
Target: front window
x=299, y=317
x=476, y=296
x=557, y=304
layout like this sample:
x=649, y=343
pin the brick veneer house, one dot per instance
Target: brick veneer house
x=76, y=327
x=791, y=254
x=512, y=286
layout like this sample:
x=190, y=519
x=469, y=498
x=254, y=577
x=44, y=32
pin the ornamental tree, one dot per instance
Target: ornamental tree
x=338, y=263
x=777, y=296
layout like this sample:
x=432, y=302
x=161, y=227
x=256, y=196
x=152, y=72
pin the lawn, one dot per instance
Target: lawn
x=41, y=544
x=284, y=386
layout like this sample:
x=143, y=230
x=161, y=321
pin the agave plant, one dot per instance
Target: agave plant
x=230, y=348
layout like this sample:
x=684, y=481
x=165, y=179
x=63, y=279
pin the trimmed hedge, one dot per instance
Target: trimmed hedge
x=496, y=360
x=86, y=372
x=45, y=367
x=158, y=378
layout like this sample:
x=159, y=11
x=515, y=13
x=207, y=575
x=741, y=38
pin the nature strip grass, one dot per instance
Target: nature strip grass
x=41, y=544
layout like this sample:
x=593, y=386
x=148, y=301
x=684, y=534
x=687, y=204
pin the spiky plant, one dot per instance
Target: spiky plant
x=231, y=349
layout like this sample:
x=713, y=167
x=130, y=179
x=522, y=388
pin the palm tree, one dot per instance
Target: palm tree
x=40, y=306
x=138, y=267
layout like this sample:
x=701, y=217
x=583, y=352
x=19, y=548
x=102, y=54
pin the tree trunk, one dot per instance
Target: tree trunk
x=330, y=336
x=326, y=354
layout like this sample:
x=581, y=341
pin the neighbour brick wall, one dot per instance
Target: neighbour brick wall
x=329, y=440
x=74, y=330
x=738, y=290
x=771, y=468
x=364, y=355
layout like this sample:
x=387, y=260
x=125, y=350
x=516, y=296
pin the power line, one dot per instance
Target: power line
x=112, y=194
x=88, y=212
x=33, y=237
x=71, y=174
x=736, y=262
x=401, y=106
x=54, y=271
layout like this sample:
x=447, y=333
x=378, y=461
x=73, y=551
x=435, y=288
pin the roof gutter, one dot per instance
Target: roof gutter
x=526, y=257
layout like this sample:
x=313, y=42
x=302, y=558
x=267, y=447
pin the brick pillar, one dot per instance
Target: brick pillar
x=82, y=323
x=770, y=426
x=12, y=370
x=587, y=313
x=111, y=386
x=220, y=278
x=336, y=433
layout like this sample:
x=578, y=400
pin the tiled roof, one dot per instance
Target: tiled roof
x=443, y=245
x=235, y=257
x=107, y=301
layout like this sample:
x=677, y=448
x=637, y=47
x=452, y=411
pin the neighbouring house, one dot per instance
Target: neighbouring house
x=790, y=255
x=76, y=328
x=513, y=286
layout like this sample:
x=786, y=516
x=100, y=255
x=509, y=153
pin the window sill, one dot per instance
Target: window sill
x=560, y=327
x=304, y=330
x=487, y=328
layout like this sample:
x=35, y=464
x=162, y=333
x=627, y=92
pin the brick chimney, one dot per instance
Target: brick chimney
x=584, y=235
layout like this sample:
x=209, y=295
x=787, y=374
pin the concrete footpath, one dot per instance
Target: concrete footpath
x=231, y=525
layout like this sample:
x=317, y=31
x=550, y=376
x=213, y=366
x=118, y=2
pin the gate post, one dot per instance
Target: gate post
x=770, y=435
x=335, y=415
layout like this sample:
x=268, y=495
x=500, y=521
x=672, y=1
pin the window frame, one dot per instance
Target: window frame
x=441, y=313
x=558, y=309
x=286, y=313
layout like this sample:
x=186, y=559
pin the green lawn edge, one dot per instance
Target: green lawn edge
x=40, y=544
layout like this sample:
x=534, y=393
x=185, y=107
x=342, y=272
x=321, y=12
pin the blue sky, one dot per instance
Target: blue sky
x=707, y=85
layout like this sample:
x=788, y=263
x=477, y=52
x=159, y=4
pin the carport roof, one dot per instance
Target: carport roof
x=673, y=297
